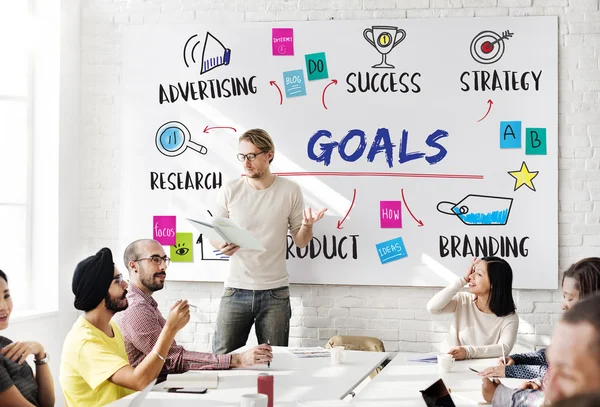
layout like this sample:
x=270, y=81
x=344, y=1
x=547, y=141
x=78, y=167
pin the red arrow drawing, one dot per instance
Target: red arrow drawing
x=280, y=94
x=339, y=225
x=409, y=211
x=333, y=82
x=490, y=103
x=206, y=129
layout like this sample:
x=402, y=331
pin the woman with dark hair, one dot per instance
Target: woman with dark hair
x=485, y=322
x=18, y=385
x=579, y=281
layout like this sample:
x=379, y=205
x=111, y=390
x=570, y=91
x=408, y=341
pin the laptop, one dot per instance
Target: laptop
x=437, y=395
x=141, y=395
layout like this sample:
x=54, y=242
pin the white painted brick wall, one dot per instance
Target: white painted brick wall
x=395, y=314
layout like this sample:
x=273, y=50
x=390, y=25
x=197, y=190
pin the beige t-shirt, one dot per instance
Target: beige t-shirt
x=268, y=214
x=482, y=335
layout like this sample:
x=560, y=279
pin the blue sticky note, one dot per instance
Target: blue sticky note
x=294, y=83
x=391, y=250
x=510, y=134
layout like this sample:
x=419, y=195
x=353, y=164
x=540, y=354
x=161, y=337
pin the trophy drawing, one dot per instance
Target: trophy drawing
x=383, y=38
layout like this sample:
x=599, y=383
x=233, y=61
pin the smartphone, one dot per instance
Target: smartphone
x=194, y=390
x=437, y=395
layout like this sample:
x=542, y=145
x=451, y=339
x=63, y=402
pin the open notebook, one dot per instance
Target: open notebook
x=198, y=378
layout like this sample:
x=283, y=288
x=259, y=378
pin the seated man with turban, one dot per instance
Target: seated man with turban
x=94, y=369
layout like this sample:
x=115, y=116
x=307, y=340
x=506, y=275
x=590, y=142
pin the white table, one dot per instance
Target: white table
x=295, y=379
x=398, y=384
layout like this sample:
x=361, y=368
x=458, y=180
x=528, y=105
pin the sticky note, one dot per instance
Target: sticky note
x=164, y=229
x=183, y=250
x=390, y=214
x=316, y=66
x=294, y=83
x=283, y=41
x=391, y=250
x=535, y=141
x=510, y=134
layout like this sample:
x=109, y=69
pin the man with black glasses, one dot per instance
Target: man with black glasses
x=257, y=288
x=142, y=322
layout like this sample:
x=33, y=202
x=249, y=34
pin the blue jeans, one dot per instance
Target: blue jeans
x=239, y=309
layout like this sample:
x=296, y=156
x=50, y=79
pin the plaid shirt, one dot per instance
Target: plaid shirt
x=141, y=324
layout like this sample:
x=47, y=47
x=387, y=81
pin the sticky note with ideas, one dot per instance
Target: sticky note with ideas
x=391, y=250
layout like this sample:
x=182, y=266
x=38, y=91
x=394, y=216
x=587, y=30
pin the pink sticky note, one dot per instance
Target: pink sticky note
x=283, y=41
x=164, y=229
x=390, y=214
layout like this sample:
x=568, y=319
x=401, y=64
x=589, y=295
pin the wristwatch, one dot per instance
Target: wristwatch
x=42, y=361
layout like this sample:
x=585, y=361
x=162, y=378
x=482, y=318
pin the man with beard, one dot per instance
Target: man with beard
x=142, y=322
x=94, y=369
x=257, y=288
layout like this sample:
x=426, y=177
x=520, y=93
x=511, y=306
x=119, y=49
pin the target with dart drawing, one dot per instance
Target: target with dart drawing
x=488, y=47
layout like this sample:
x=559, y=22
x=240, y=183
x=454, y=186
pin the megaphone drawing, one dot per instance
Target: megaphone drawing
x=214, y=54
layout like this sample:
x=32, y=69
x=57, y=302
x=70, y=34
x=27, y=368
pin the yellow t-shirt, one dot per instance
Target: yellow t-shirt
x=89, y=358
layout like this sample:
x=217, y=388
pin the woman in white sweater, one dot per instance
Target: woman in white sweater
x=485, y=320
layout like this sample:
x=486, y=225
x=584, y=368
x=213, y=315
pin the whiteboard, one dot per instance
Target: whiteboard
x=429, y=141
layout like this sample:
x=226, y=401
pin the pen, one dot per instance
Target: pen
x=193, y=306
x=503, y=358
x=473, y=370
x=268, y=363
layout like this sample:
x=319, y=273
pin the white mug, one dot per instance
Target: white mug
x=337, y=355
x=255, y=400
x=445, y=361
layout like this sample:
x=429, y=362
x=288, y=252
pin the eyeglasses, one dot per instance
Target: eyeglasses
x=118, y=278
x=249, y=156
x=157, y=260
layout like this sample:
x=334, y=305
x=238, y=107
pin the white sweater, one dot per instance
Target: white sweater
x=482, y=335
x=267, y=214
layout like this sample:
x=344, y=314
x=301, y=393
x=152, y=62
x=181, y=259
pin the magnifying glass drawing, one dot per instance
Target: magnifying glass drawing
x=173, y=138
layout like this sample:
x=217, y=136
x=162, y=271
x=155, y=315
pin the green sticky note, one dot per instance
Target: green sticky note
x=316, y=66
x=535, y=143
x=183, y=250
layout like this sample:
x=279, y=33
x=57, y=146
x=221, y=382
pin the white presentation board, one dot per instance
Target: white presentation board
x=429, y=141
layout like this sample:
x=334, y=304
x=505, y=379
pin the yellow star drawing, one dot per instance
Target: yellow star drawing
x=524, y=177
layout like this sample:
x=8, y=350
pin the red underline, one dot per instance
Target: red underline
x=377, y=174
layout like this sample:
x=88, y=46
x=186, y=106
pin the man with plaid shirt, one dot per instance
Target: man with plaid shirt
x=142, y=322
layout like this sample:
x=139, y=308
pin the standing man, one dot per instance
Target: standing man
x=94, y=370
x=141, y=323
x=257, y=288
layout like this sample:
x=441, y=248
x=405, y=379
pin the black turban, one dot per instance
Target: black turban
x=92, y=279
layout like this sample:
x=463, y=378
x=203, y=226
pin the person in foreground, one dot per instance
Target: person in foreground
x=141, y=323
x=485, y=323
x=580, y=280
x=257, y=288
x=94, y=368
x=573, y=355
x=18, y=386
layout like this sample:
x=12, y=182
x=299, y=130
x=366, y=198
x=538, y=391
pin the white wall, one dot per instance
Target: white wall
x=396, y=314
x=56, y=181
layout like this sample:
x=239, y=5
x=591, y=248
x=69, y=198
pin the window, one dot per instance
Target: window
x=16, y=72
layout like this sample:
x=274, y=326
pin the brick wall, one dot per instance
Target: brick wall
x=395, y=314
